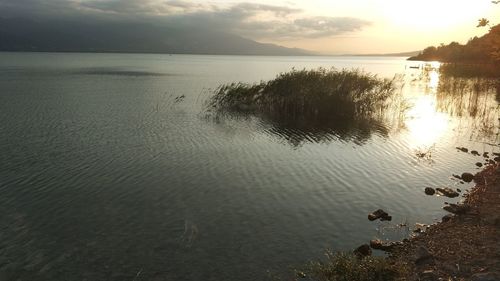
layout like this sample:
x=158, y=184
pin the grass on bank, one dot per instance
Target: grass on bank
x=468, y=70
x=309, y=94
x=349, y=267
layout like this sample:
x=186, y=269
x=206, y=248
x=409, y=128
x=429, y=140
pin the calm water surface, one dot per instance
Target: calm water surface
x=111, y=170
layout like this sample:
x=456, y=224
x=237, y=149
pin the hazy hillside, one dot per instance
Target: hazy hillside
x=66, y=36
x=478, y=49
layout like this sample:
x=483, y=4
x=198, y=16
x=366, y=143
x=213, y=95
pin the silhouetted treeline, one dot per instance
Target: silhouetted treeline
x=484, y=49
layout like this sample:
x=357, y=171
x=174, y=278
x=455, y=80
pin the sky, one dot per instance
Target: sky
x=323, y=26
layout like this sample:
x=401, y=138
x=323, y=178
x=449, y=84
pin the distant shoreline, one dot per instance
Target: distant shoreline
x=208, y=54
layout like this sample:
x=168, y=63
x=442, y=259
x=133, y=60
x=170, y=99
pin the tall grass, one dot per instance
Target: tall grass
x=467, y=70
x=308, y=94
x=348, y=267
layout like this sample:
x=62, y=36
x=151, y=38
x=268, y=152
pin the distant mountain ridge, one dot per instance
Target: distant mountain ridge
x=403, y=54
x=66, y=36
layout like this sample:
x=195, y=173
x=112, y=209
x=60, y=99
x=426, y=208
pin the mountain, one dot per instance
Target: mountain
x=71, y=36
x=404, y=54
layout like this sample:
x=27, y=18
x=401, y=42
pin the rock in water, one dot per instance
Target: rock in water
x=467, y=177
x=379, y=214
x=479, y=164
x=448, y=192
x=363, y=251
x=429, y=191
x=475, y=153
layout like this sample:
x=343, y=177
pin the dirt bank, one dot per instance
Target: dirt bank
x=465, y=246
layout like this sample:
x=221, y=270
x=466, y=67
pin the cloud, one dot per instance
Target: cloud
x=250, y=20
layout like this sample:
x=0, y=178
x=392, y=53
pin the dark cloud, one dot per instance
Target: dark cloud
x=256, y=21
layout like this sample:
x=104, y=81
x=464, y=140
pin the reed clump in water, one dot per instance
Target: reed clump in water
x=308, y=94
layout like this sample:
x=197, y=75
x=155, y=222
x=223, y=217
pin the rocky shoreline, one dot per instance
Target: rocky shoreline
x=463, y=246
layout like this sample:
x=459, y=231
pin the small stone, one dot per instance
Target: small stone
x=459, y=190
x=448, y=192
x=377, y=244
x=379, y=214
x=475, y=153
x=429, y=191
x=467, y=177
x=485, y=155
x=479, y=164
x=363, y=251
x=428, y=275
x=463, y=149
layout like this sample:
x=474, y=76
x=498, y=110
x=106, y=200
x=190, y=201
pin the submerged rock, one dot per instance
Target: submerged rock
x=463, y=149
x=429, y=191
x=457, y=176
x=479, y=164
x=475, y=152
x=448, y=192
x=467, y=177
x=363, y=251
x=497, y=159
x=379, y=214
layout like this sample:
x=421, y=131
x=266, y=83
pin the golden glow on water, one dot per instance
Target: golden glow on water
x=434, y=74
x=425, y=124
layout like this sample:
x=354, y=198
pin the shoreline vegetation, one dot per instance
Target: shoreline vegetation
x=479, y=57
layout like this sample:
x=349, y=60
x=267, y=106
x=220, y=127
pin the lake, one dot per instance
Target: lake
x=112, y=170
